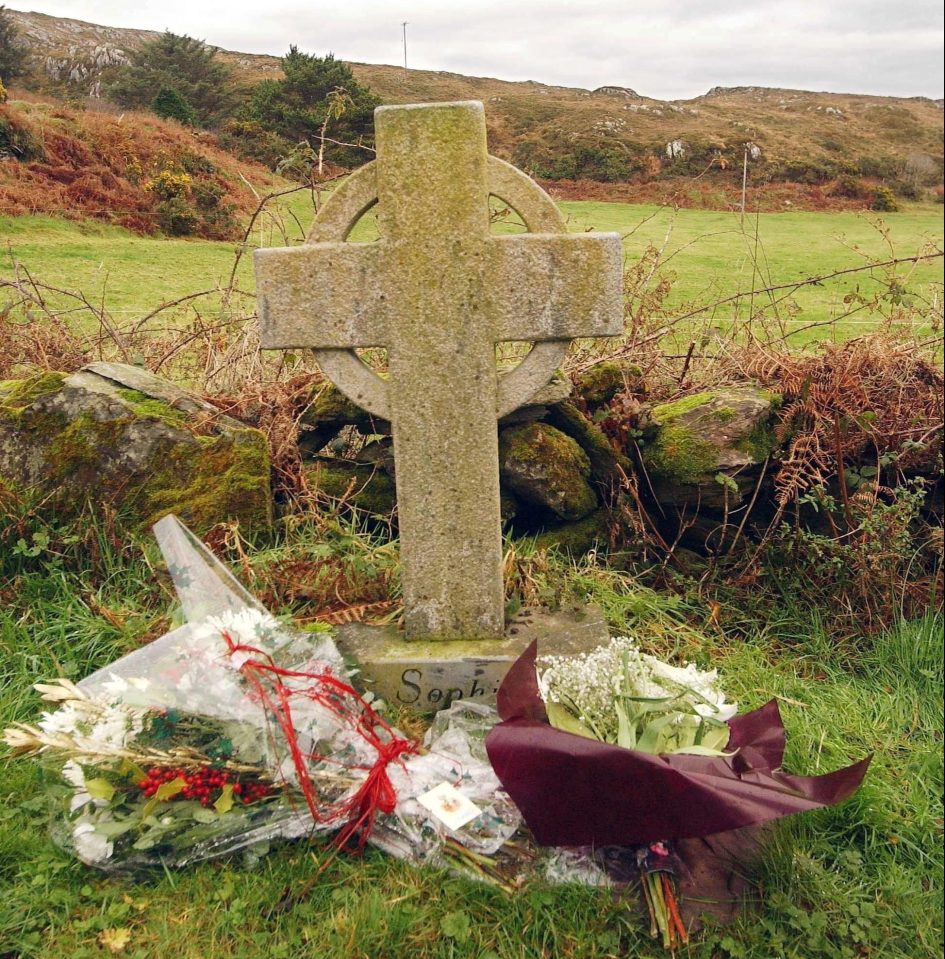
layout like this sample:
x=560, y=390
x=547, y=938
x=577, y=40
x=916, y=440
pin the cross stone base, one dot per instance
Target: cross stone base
x=429, y=675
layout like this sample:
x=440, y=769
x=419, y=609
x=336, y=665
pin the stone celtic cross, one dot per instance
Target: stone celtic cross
x=439, y=292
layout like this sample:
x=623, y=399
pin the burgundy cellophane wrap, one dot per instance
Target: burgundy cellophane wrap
x=574, y=791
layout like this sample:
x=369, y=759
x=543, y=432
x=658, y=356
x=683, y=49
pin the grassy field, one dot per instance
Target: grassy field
x=710, y=255
x=864, y=879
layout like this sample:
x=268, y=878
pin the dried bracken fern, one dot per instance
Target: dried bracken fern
x=875, y=399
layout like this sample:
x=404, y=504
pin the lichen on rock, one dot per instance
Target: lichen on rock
x=544, y=467
x=91, y=437
x=697, y=438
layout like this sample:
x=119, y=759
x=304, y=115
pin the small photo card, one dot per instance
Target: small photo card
x=449, y=805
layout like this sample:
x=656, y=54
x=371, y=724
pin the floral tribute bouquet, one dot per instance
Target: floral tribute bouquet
x=233, y=730
x=618, y=749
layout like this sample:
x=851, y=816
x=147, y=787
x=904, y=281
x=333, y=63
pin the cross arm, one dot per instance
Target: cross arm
x=552, y=286
x=321, y=295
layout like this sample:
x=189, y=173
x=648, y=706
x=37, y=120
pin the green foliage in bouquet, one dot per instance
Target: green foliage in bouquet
x=620, y=695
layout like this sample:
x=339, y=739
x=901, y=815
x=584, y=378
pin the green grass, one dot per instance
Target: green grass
x=715, y=254
x=710, y=254
x=863, y=879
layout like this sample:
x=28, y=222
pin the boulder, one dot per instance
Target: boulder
x=706, y=449
x=545, y=468
x=600, y=383
x=606, y=463
x=361, y=485
x=328, y=413
x=116, y=434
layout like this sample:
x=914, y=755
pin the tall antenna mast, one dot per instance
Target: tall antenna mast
x=404, y=26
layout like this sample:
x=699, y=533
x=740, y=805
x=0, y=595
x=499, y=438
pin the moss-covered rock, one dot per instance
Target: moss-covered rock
x=578, y=537
x=606, y=462
x=706, y=447
x=544, y=467
x=118, y=435
x=360, y=485
x=599, y=384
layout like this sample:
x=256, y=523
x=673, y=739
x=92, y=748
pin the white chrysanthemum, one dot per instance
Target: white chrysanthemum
x=73, y=774
x=94, y=726
x=244, y=627
x=90, y=847
x=117, y=685
x=66, y=719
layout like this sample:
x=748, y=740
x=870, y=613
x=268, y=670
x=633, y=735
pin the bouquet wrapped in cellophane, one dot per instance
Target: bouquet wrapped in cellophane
x=234, y=730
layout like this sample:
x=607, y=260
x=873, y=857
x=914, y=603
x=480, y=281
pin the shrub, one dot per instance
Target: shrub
x=850, y=187
x=12, y=52
x=316, y=95
x=170, y=105
x=17, y=139
x=176, y=217
x=884, y=200
x=180, y=64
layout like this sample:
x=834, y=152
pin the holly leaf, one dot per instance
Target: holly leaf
x=170, y=789
x=100, y=789
x=165, y=791
x=132, y=771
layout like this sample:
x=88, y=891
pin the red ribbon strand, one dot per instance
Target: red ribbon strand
x=357, y=812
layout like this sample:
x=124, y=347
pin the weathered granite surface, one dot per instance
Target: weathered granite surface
x=429, y=675
x=438, y=291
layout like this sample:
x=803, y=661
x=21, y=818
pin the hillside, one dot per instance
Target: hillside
x=609, y=134
x=136, y=171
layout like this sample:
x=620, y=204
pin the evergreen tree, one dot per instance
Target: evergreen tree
x=179, y=63
x=317, y=98
x=12, y=53
x=170, y=105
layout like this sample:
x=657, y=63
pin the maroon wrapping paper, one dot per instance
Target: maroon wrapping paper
x=574, y=791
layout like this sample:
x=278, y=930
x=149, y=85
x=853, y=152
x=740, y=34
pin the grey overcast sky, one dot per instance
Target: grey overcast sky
x=668, y=49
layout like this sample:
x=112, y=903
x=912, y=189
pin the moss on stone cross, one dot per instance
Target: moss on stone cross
x=438, y=291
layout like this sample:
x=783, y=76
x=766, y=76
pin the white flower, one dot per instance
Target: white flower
x=73, y=774
x=604, y=689
x=94, y=726
x=90, y=847
x=115, y=686
x=64, y=720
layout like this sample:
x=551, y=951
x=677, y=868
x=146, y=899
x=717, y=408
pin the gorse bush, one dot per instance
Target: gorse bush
x=119, y=172
x=884, y=200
